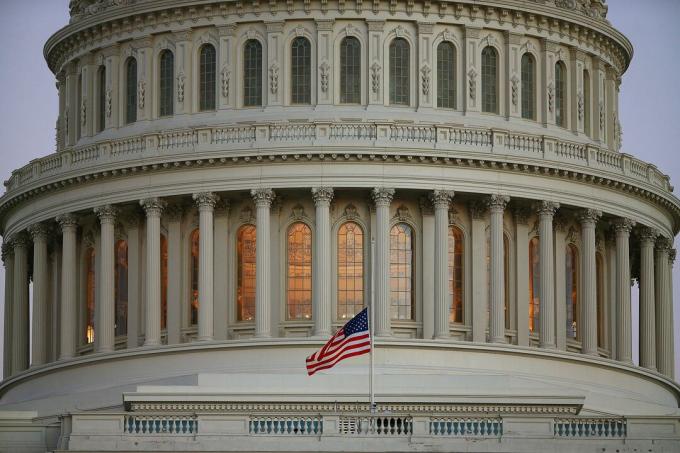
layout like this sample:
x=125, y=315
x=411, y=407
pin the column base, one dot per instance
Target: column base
x=501, y=340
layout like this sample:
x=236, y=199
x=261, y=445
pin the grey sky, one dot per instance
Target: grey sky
x=650, y=93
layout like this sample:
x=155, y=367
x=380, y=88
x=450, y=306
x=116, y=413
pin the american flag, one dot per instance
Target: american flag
x=351, y=340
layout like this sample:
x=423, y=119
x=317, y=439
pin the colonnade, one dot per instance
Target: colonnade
x=656, y=259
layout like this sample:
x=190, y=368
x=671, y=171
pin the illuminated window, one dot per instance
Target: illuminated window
x=456, y=274
x=121, y=287
x=299, y=291
x=560, y=94
x=246, y=272
x=350, y=270
x=193, y=301
x=399, y=72
x=350, y=71
x=130, y=91
x=534, y=282
x=166, y=85
x=489, y=80
x=401, y=272
x=90, y=295
x=207, y=78
x=446, y=75
x=164, y=282
x=599, y=271
x=586, y=102
x=300, y=71
x=528, y=87
x=252, y=73
x=101, y=98
x=571, y=266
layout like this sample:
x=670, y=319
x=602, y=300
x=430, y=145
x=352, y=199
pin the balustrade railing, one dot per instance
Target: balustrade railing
x=376, y=425
x=596, y=427
x=160, y=424
x=466, y=427
x=292, y=426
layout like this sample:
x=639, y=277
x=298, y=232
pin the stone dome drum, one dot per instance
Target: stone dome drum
x=234, y=180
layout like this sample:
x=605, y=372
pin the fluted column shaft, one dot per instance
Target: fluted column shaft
x=624, y=323
x=442, y=301
x=8, y=260
x=546, y=213
x=263, y=201
x=382, y=198
x=68, y=312
x=206, y=202
x=588, y=321
x=40, y=294
x=20, y=305
x=105, y=326
x=669, y=356
x=497, y=205
x=321, y=285
x=153, y=208
x=663, y=308
x=647, y=293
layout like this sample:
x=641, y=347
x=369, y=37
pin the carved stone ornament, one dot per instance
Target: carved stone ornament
x=322, y=195
x=324, y=71
x=141, y=93
x=402, y=214
x=618, y=133
x=375, y=77
x=648, y=235
x=153, y=206
x=108, y=101
x=441, y=199
x=38, y=231
x=351, y=212
x=672, y=253
x=382, y=196
x=425, y=72
x=67, y=221
x=515, y=89
x=83, y=112
x=472, y=83
x=399, y=32
x=548, y=208
x=263, y=197
x=205, y=200
x=497, y=202
x=551, y=97
x=225, y=73
x=106, y=213
x=274, y=78
x=623, y=225
x=580, y=105
x=602, y=118
x=246, y=215
x=349, y=30
x=589, y=216
x=180, y=86
x=298, y=212
x=477, y=209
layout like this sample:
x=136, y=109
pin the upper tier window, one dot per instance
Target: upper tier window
x=560, y=92
x=586, y=102
x=300, y=71
x=446, y=75
x=528, y=87
x=101, y=98
x=489, y=80
x=207, y=78
x=166, y=83
x=130, y=91
x=399, y=72
x=252, y=73
x=350, y=71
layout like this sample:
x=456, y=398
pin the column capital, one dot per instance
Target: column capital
x=153, y=206
x=589, y=216
x=623, y=225
x=206, y=201
x=382, y=196
x=7, y=250
x=663, y=244
x=263, y=197
x=322, y=195
x=20, y=240
x=38, y=231
x=497, y=202
x=546, y=208
x=67, y=221
x=671, y=256
x=648, y=235
x=441, y=199
x=106, y=213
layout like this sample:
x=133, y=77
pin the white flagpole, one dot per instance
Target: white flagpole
x=370, y=326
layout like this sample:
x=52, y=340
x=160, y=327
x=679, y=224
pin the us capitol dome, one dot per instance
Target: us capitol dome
x=235, y=179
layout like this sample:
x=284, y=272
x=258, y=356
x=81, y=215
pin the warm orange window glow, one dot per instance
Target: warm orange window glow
x=193, y=302
x=401, y=272
x=299, y=291
x=164, y=282
x=534, y=282
x=599, y=271
x=350, y=270
x=456, y=274
x=121, y=287
x=246, y=270
x=571, y=266
x=90, y=296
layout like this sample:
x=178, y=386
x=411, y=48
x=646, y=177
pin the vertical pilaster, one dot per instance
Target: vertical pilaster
x=425, y=92
x=61, y=119
x=87, y=115
x=577, y=113
x=274, y=93
x=205, y=202
x=135, y=314
x=521, y=215
x=441, y=199
x=144, y=78
x=610, y=114
x=647, y=292
x=472, y=71
x=105, y=327
x=662, y=306
x=375, y=62
x=227, y=57
x=71, y=105
x=513, y=61
x=588, y=321
x=382, y=198
x=112, y=65
x=263, y=201
x=669, y=355
x=20, y=304
x=546, y=211
x=623, y=228
x=548, y=79
x=8, y=338
x=183, y=76
x=153, y=207
x=321, y=288
x=479, y=273
x=599, y=100
x=496, y=204
x=325, y=58
x=69, y=306
x=39, y=331
x=174, y=318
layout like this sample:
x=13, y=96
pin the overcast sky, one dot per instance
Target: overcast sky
x=650, y=93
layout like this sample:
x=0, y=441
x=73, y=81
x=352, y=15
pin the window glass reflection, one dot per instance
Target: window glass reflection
x=571, y=266
x=534, y=279
x=193, y=301
x=401, y=272
x=246, y=272
x=456, y=274
x=350, y=270
x=299, y=291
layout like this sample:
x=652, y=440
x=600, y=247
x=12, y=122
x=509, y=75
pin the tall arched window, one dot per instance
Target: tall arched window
x=534, y=282
x=300, y=71
x=207, y=77
x=101, y=98
x=560, y=93
x=571, y=268
x=164, y=282
x=121, y=287
x=446, y=75
x=130, y=91
x=528, y=87
x=456, y=274
x=599, y=275
x=299, y=272
x=401, y=272
x=586, y=102
x=350, y=70
x=399, y=72
x=193, y=296
x=246, y=271
x=90, y=296
x=489, y=80
x=350, y=270
x=166, y=83
x=252, y=73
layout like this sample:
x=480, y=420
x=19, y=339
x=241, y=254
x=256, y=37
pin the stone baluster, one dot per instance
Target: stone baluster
x=624, y=329
x=105, y=325
x=321, y=289
x=381, y=304
x=546, y=212
x=41, y=290
x=69, y=307
x=263, y=201
x=20, y=304
x=441, y=199
x=497, y=204
x=647, y=292
x=8, y=260
x=206, y=202
x=153, y=208
x=588, y=327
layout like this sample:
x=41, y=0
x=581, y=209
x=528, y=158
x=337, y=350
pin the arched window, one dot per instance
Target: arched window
x=246, y=272
x=193, y=296
x=299, y=272
x=456, y=274
x=164, y=282
x=90, y=296
x=101, y=98
x=560, y=93
x=166, y=83
x=300, y=71
x=401, y=272
x=207, y=77
x=399, y=72
x=599, y=275
x=489, y=80
x=571, y=267
x=350, y=270
x=350, y=70
x=528, y=87
x=130, y=91
x=252, y=73
x=534, y=284
x=446, y=75
x=121, y=287
x=586, y=102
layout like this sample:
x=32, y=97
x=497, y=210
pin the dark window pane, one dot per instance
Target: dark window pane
x=350, y=71
x=121, y=287
x=528, y=87
x=207, y=78
x=446, y=75
x=167, y=76
x=101, y=98
x=456, y=274
x=300, y=71
x=560, y=91
x=193, y=301
x=489, y=80
x=252, y=73
x=131, y=91
x=399, y=72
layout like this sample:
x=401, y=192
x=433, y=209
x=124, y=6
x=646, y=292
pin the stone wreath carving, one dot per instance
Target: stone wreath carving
x=225, y=81
x=472, y=84
x=141, y=93
x=425, y=77
x=515, y=89
x=551, y=97
x=274, y=78
x=375, y=77
x=180, y=86
x=324, y=69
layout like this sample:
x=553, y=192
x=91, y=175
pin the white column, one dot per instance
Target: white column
x=206, y=202
x=69, y=307
x=427, y=269
x=647, y=315
x=8, y=260
x=153, y=208
x=478, y=264
x=669, y=356
x=521, y=216
x=497, y=205
x=20, y=305
x=40, y=294
x=663, y=309
x=174, y=216
x=588, y=321
x=382, y=198
x=546, y=212
x=263, y=201
x=624, y=327
x=105, y=325
x=441, y=200
x=134, y=297
x=321, y=288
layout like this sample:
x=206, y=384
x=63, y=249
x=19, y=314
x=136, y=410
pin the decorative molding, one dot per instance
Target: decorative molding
x=181, y=78
x=551, y=97
x=38, y=231
x=425, y=72
x=623, y=225
x=324, y=70
x=67, y=221
x=477, y=209
x=497, y=202
x=402, y=214
x=382, y=196
x=350, y=212
x=225, y=73
x=648, y=235
x=205, y=200
x=247, y=215
x=441, y=199
x=322, y=195
x=548, y=208
x=580, y=105
x=263, y=196
x=274, y=77
x=589, y=216
x=106, y=213
x=515, y=89
x=375, y=77
x=472, y=83
x=153, y=207
x=298, y=212
x=141, y=93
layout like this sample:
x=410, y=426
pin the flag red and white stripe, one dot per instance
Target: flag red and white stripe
x=352, y=340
